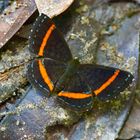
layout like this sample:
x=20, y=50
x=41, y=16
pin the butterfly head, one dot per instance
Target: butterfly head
x=73, y=63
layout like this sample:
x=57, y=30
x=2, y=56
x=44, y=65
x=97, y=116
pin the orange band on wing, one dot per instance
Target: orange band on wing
x=74, y=95
x=45, y=39
x=45, y=75
x=107, y=83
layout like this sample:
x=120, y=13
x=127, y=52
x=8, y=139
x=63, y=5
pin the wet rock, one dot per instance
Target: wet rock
x=33, y=116
x=131, y=129
x=12, y=72
x=92, y=26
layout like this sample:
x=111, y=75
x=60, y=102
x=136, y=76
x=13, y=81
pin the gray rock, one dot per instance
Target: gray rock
x=99, y=33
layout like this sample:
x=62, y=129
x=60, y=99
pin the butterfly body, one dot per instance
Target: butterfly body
x=57, y=73
x=71, y=70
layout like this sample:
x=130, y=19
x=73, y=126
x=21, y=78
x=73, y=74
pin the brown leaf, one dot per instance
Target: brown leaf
x=14, y=17
x=53, y=7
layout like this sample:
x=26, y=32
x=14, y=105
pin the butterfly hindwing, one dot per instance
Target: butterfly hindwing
x=105, y=82
x=43, y=74
x=47, y=41
x=76, y=95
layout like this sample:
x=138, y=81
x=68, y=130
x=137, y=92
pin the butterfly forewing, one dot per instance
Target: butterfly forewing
x=105, y=82
x=47, y=41
x=76, y=95
x=43, y=74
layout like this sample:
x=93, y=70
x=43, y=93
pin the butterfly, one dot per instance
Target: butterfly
x=56, y=72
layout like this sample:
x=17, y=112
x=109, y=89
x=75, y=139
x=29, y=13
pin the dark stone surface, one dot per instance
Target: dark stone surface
x=97, y=33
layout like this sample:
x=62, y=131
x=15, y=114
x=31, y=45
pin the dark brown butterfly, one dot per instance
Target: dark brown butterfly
x=56, y=72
